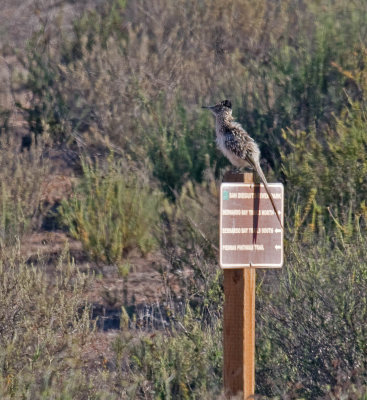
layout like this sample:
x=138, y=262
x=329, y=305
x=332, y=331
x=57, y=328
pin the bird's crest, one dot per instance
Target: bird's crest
x=226, y=103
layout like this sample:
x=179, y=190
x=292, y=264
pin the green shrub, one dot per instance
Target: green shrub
x=111, y=212
x=21, y=178
x=326, y=173
x=185, y=363
x=181, y=147
x=312, y=335
x=296, y=84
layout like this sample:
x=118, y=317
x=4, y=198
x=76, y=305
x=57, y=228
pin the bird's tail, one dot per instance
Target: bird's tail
x=259, y=171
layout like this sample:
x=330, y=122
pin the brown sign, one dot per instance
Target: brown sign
x=250, y=233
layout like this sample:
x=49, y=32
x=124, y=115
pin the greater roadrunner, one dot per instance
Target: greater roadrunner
x=237, y=145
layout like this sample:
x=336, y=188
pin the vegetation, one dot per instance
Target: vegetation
x=110, y=212
x=44, y=333
x=22, y=176
x=109, y=97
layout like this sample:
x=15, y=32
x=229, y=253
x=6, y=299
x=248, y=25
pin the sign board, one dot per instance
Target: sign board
x=250, y=233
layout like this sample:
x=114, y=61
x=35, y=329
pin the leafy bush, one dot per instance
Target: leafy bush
x=111, y=212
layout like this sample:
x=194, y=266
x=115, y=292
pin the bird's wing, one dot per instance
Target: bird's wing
x=237, y=141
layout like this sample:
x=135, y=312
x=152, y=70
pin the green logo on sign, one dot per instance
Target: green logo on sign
x=225, y=195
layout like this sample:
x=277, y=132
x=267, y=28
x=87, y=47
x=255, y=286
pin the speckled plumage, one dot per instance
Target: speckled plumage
x=237, y=145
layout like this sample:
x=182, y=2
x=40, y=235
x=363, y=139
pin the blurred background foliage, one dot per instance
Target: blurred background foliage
x=118, y=87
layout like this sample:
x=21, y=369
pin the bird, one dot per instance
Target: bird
x=237, y=145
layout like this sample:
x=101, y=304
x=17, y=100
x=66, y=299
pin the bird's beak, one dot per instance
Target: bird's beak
x=211, y=108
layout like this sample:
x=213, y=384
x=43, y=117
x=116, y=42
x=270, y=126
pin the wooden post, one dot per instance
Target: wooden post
x=239, y=322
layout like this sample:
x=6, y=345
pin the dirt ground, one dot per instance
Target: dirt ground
x=141, y=287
